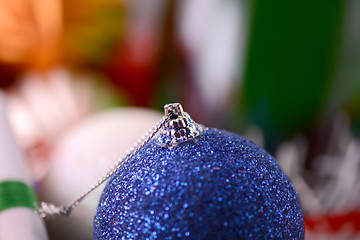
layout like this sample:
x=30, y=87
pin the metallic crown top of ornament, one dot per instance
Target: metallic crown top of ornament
x=179, y=126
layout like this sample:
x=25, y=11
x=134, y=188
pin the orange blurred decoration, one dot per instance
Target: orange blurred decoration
x=31, y=33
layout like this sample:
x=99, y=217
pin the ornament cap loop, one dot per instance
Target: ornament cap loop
x=173, y=110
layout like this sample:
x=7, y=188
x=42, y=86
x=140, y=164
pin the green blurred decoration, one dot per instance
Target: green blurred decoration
x=92, y=30
x=291, y=60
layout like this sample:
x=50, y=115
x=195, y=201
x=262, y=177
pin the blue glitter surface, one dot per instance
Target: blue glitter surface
x=219, y=186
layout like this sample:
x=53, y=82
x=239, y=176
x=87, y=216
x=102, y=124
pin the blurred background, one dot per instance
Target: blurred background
x=284, y=74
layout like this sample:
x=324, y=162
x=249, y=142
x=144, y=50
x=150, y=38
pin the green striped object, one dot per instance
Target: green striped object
x=16, y=194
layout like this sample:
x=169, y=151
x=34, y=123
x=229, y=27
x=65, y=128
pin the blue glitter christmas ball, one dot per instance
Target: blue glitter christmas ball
x=218, y=185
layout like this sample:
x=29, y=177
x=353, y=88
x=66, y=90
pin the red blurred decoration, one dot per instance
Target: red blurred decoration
x=334, y=222
x=136, y=78
x=9, y=74
x=133, y=68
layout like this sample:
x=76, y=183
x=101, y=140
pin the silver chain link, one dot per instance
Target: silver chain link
x=47, y=209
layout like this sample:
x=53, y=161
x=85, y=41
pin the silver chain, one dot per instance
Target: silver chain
x=47, y=209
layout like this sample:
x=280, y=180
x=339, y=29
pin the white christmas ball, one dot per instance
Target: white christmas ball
x=82, y=156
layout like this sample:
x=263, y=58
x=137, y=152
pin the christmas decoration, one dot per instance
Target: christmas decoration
x=198, y=183
x=17, y=198
x=88, y=149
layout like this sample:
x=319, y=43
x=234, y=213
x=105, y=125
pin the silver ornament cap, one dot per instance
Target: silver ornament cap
x=178, y=126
